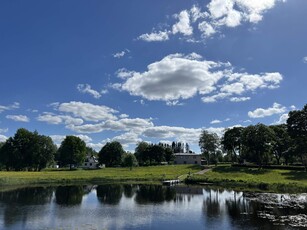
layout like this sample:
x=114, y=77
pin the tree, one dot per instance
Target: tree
x=111, y=154
x=72, y=151
x=256, y=140
x=231, y=142
x=27, y=150
x=209, y=144
x=281, y=143
x=140, y=152
x=129, y=160
x=297, y=128
x=169, y=155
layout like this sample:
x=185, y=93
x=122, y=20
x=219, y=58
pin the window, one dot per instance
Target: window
x=91, y=164
x=184, y=162
x=85, y=164
x=196, y=162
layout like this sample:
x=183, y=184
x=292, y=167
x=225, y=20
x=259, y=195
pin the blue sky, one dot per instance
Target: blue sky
x=149, y=70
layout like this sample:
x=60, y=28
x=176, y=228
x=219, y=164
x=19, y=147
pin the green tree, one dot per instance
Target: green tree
x=72, y=151
x=281, y=143
x=297, y=128
x=256, y=140
x=169, y=155
x=231, y=142
x=129, y=160
x=141, y=152
x=27, y=150
x=111, y=154
x=209, y=144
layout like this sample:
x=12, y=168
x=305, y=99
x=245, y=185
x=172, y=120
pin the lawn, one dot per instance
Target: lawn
x=270, y=179
x=138, y=174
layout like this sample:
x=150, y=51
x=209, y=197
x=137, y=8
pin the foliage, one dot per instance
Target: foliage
x=153, y=154
x=281, y=143
x=111, y=154
x=297, y=128
x=231, y=142
x=209, y=144
x=256, y=140
x=72, y=151
x=129, y=160
x=27, y=150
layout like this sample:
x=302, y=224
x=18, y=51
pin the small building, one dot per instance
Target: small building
x=91, y=162
x=188, y=158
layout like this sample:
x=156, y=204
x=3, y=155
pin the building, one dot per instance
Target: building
x=91, y=162
x=188, y=158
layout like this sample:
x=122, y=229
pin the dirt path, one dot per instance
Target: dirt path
x=203, y=171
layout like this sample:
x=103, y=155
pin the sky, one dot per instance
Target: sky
x=144, y=70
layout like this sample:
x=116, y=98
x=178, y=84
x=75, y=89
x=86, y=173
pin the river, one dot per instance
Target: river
x=148, y=207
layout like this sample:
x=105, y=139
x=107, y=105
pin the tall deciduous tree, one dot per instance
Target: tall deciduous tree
x=256, y=140
x=209, y=144
x=111, y=154
x=231, y=141
x=297, y=128
x=281, y=144
x=27, y=150
x=72, y=151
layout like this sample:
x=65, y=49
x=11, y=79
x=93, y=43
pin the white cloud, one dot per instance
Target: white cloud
x=189, y=135
x=121, y=53
x=154, y=36
x=4, y=130
x=260, y=112
x=206, y=28
x=87, y=111
x=217, y=15
x=282, y=119
x=3, y=138
x=215, y=122
x=239, y=99
x=174, y=103
x=86, y=88
x=51, y=118
x=136, y=125
x=305, y=59
x=15, y=105
x=19, y=118
x=179, y=76
x=123, y=73
x=183, y=25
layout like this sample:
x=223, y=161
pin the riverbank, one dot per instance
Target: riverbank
x=152, y=174
x=253, y=178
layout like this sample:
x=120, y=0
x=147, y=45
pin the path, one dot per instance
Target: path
x=203, y=171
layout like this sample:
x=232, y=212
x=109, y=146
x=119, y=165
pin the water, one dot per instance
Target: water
x=143, y=207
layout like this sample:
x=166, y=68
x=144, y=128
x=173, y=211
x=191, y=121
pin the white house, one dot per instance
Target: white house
x=188, y=158
x=91, y=162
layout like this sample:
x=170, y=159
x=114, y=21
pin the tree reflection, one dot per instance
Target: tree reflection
x=69, y=195
x=13, y=202
x=154, y=194
x=109, y=194
x=211, y=205
x=129, y=190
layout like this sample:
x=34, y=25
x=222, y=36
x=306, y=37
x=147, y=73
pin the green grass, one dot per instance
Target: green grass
x=138, y=174
x=269, y=179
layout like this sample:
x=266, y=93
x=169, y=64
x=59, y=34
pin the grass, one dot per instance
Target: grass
x=138, y=174
x=268, y=179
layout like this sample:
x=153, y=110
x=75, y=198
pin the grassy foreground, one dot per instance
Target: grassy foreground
x=138, y=174
x=268, y=179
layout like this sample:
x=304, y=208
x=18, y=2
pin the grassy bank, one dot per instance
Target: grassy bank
x=139, y=174
x=267, y=179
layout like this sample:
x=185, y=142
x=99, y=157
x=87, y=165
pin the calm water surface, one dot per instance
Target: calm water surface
x=138, y=207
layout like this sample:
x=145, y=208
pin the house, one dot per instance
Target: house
x=188, y=158
x=91, y=162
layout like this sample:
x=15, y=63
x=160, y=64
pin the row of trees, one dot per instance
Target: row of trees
x=261, y=144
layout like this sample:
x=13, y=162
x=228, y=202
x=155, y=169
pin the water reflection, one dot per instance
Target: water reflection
x=144, y=207
x=69, y=195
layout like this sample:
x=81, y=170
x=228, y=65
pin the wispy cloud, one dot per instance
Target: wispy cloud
x=260, y=112
x=87, y=89
x=19, y=118
x=15, y=105
x=217, y=15
x=121, y=53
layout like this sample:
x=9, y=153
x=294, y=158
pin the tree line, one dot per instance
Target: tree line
x=260, y=144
